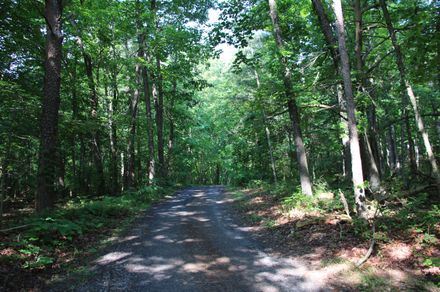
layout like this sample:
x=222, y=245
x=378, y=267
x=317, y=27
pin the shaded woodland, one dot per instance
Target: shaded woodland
x=101, y=100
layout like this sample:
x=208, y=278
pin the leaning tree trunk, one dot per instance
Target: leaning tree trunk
x=405, y=84
x=356, y=162
x=301, y=155
x=330, y=41
x=50, y=106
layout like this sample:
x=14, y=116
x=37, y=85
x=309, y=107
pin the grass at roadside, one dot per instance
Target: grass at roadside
x=58, y=241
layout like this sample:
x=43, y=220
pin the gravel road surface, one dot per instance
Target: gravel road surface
x=191, y=242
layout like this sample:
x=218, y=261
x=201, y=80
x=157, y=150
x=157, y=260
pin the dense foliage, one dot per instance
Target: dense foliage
x=101, y=97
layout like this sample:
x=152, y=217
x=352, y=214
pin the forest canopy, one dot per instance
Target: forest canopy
x=98, y=97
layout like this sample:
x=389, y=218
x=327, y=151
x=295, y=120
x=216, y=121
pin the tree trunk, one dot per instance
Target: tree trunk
x=97, y=157
x=370, y=137
x=158, y=103
x=269, y=142
x=392, y=149
x=158, y=97
x=75, y=118
x=356, y=162
x=130, y=176
x=114, y=188
x=328, y=33
x=147, y=96
x=50, y=106
x=171, y=131
x=301, y=155
x=409, y=91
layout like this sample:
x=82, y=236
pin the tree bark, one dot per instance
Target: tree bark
x=130, y=176
x=370, y=137
x=158, y=99
x=356, y=162
x=170, y=145
x=50, y=106
x=405, y=84
x=267, y=130
x=147, y=97
x=114, y=188
x=158, y=104
x=301, y=155
x=269, y=144
x=392, y=149
x=330, y=40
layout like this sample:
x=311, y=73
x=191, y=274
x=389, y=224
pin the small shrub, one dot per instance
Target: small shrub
x=300, y=201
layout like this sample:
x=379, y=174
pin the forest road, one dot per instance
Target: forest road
x=191, y=242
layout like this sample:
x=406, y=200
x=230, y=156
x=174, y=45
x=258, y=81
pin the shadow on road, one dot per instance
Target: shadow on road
x=191, y=243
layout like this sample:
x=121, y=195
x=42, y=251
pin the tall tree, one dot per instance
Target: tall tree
x=356, y=162
x=50, y=105
x=158, y=93
x=301, y=155
x=371, y=148
x=406, y=86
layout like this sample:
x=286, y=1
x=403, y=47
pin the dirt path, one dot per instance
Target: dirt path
x=191, y=243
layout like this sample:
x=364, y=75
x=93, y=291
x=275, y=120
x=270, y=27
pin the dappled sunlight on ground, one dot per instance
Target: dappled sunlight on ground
x=192, y=242
x=329, y=244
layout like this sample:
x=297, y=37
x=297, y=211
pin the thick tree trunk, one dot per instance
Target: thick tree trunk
x=356, y=162
x=50, y=106
x=301, y=155
x=405, y=84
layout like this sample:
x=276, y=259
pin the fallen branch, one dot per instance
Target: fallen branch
x=373, y=241
x=370, y=249
x=15, y=228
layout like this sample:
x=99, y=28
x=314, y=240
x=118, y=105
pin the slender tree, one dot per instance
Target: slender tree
x=356, y=162
x=406, y=86
x=301, y=155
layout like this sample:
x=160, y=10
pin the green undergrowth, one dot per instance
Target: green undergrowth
x=72, y=229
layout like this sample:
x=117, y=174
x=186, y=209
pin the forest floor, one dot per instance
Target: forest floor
x=205, y=238
x=36, y=249
x=193, y=242
x=403, y=254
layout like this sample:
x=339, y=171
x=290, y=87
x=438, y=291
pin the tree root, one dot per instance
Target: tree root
x=370, y=250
